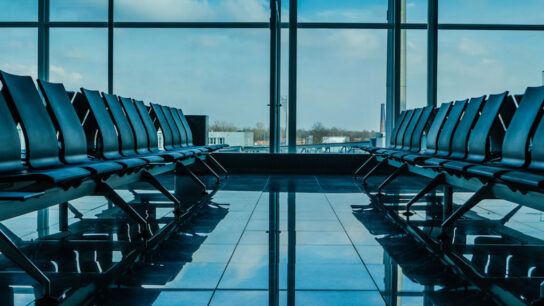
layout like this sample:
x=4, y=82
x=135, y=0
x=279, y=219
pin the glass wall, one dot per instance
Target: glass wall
x=341, y=85
x=213, y=57
x=81, y=64
x=222, y=73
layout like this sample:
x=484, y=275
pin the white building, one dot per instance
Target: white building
x=243, y=139
x=335, y=139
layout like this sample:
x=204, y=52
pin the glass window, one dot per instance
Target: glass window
x=222, y=73
x=79, y=58
x=496, y=11
x=342, y=11
x=474, y=63
x=192, y=10
x=414, y=58
x=284, y=89
x=19, y=51
x=341, y=85
x=78, y=10
x=415, y=11
x=20, y=10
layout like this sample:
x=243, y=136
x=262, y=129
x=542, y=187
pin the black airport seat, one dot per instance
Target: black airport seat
x=432, y=135
x=42, y=153
x=72, y=139
x=484, y=142
x=417, y=132
x=90, y=106
x=171, y=138
x=179, y=139
x=127, y=139
x=151, y=132
x=392, y=139
x=515, y=146
x=457, y=147
x=399, y=137
x=146, y=141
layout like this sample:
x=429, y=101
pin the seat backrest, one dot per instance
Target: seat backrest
x=10, y=151
x=162, y=123
x=179, y=125
x=137, y=125
x=436, y=127
x=126, y=135
x=515, y=145
x=468, y=120
x=421, y=128
x=407, y=139
x=73, y=142
x=107, y=145
x=485, y=136
x=187, y=127
x=396, y=128
x=445, y=138
x=176, y=134
x=403, y=127
x=29, y=111
x=537, y=152
x=152, y=139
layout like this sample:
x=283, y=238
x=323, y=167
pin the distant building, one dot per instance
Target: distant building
x=335, y=139
x=243, y=139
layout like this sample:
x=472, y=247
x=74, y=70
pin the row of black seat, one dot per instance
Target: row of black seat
x=497, y=139
x=74, y=138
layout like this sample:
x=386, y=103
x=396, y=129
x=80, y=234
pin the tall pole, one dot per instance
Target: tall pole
x=293, y=21
x=432, y=51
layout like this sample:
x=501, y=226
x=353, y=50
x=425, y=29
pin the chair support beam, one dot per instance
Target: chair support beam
x=368, y=161
x=149, y=178
x=373, y=170
x=485, y=192
x=435, y=182
x=400, y=170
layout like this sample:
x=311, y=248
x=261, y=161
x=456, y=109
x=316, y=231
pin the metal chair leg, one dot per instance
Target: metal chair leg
x=13, y=253
x=400, y=170
x=483, y=193
x=205, y=164
x=435, y=182
x=149, y=178
x=373, y=170
x=368, y=161
x=117, y=200
x=218, y=164
x=195, y=178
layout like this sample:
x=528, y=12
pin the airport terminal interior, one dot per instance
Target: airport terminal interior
x=271, y=152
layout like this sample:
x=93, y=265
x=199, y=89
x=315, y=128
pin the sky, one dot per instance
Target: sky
x=224, y=73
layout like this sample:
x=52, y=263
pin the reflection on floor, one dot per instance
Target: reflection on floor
x=270, y=239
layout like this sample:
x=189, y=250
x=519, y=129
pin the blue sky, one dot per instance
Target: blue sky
x=224, y=72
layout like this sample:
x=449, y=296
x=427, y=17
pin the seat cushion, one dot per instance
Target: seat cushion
x=131, y=162
x=63, y=174
x=458, y=165
x=170, y=155
x=102, y=167
x=524, y=177
x=152, y=158
x=436, y=161
x=486, y=171
x=414, y=158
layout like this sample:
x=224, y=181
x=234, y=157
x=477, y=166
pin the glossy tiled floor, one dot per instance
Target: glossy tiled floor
x=267, y=239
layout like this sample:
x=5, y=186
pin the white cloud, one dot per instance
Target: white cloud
x=471, y=47
x=193, y=10
x=58, y=73
x=21, y=69
x=241, y=10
